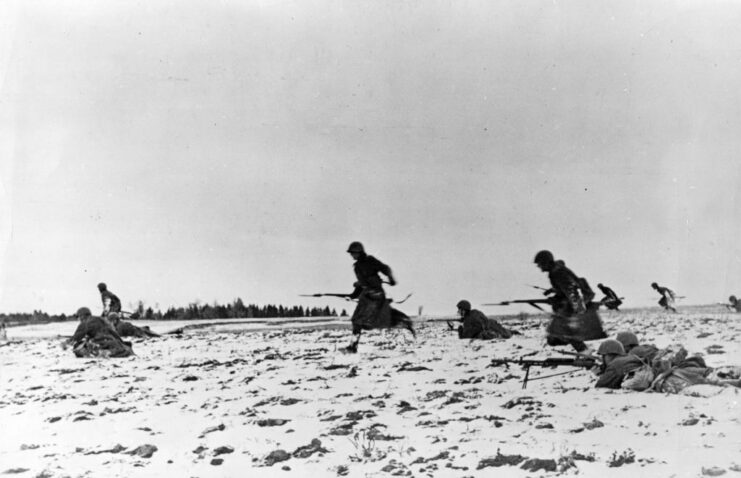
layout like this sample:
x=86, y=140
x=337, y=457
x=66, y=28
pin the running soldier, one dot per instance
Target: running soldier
x=735, y=304
x=374, y=310
x=111, y=302
x=574, y=319
x=610, y=300
x=668, y=297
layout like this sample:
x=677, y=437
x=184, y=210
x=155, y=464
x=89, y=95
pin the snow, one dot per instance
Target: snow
x=435, y=407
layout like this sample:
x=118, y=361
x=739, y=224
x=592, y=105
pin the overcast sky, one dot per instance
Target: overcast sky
x=200, y=150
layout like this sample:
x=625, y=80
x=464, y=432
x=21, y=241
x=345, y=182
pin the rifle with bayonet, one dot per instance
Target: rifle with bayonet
x=323, y=294
x=532, y=302
x=348, y=296
x=579, y=361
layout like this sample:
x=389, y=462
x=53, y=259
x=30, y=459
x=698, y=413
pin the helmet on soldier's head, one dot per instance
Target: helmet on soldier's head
x=465, y=305
x=611, y=346
x=732, y=298
x=543, y=257
x=600, y=285
x=654, y=285
x=83, y=312
x=627, y=338
x=102, y=286
x=114, y=316
x=355, y=247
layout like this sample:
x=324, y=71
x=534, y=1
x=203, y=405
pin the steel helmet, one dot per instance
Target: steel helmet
x=465, y=305
x=627, y=338
x=611, y=346
x=732, y=298
x=356, y=247
x=102, y=286
x=83, y=312
x=543, y=257
x=654, y=285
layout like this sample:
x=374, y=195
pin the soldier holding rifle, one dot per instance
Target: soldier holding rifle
x=574, y=319
x=374, y=310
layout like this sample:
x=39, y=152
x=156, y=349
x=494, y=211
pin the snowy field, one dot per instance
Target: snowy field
x=216, y=402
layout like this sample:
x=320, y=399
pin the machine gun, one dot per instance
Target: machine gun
x=579, y=361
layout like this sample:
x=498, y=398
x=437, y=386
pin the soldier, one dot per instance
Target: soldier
x=477, y=326
x=111, y=302
x=127, y=329
x=735, y=304
x=96, y=337
x=374, y=309
x=617, y=364
x=572, y=321
x=631, y=346
x=667, y=296
x=610, y=300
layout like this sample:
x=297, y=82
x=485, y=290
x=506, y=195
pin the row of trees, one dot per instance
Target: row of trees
x=194, y=311
x=236, y=309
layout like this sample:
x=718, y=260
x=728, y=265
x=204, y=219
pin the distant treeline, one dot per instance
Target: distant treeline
x=194, y=311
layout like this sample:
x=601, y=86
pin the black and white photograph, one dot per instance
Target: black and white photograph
x=265, y=238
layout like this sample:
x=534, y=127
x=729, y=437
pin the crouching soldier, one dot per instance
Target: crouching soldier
x=127, y=329
x=477, y=326
x=96, y=337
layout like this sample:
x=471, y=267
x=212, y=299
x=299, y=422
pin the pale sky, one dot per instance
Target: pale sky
x=200, y=150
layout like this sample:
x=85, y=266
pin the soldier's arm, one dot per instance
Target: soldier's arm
x=385, y=270
x=608, y=379
x=79, y=334
x=567, y=286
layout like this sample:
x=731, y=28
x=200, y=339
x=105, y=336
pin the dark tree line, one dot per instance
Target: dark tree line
x=194, y=311
x=238, y=310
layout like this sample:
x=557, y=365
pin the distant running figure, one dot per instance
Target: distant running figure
x=374, y=310
x=610, y=300
x=111, y=302
x=668, y=297
x=735, y=304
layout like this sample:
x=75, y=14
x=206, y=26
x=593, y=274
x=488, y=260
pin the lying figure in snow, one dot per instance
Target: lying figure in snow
x=96, y=337
x=127, y=329
x=477, y=326
x=667, y=370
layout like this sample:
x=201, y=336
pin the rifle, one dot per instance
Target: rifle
x=322, y=294
x=538, y=287
x=551, y=362
x=533, y=302
x=347, y=297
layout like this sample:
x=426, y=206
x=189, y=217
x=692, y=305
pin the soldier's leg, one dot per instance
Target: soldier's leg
x=578, y=345
x=353, y=346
